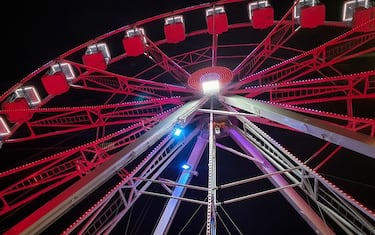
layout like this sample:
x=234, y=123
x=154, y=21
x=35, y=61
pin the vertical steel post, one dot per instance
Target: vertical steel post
x=211, y=199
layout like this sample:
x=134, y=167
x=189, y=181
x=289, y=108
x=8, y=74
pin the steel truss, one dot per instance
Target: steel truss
x=115, y=148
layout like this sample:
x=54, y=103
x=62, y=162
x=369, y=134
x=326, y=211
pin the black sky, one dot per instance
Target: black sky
x=35, y=33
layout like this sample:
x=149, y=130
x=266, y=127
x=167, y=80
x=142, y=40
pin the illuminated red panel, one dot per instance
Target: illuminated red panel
x=133, y=46
x=262, y=18
x=312, y=16
x=223, y=74
x=55, y=84
x=217, y=23
x=363, y=15
x=22, y=114
x=95, y=60
x=174, y=33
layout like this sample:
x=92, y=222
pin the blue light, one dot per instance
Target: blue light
x=185, y=167
x=177, y=131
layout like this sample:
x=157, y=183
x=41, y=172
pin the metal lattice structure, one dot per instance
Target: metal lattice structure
x=295, y=106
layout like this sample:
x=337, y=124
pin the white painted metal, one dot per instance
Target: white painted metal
x=279, y=181
x=185, y=177
x=55, y=208
x=355, y=141
x=211, y=197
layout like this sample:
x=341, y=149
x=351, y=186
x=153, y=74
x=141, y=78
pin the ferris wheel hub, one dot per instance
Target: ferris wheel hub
x=216, y=73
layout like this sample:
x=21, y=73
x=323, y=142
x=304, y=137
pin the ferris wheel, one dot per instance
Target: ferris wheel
x=219, y=118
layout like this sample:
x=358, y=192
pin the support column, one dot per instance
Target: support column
x=290, y=194
x=211, y=197
x=170, y=210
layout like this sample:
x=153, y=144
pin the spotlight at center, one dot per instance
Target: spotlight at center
x=211, y=79
x=211, y=87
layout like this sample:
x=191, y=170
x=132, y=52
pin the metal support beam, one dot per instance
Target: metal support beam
x=179, y=190
x=167, y=63
x=214, y=49
x=40, y=219
x=300, y=205
x=280, y=34
x=211, y=197
x=321, y=191
x=324, y=130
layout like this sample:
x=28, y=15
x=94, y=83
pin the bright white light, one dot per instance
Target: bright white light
x=216, y=10
x=255, y=5
x=350, y=6
x=66, y=68
x=100, y=47
x=185, y=167
x=297, y=7
x=211, y=87
x=4, y=129
x=177, y=132
x=29, y=93
x=173, y=20
x=217, y=130
x=130, y=33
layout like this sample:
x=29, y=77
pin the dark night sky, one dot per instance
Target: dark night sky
x=36, y=33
